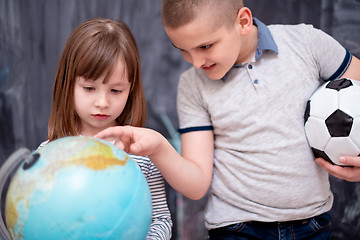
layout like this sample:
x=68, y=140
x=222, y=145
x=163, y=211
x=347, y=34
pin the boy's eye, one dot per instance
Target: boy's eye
x=206, y=46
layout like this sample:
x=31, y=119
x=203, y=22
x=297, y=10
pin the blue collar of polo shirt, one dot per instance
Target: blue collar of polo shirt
x=265, y=42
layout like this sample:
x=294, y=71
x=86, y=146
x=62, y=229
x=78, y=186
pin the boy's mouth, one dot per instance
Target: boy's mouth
x=211, y=67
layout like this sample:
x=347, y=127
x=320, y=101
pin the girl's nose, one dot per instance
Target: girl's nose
x=102, y=100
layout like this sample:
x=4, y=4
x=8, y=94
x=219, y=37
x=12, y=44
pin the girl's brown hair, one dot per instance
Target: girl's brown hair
x=92, y=50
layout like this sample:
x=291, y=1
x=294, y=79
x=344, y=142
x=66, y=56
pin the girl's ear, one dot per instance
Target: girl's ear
x=244, y=19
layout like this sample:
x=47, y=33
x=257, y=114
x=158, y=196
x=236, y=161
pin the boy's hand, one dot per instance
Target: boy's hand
x=350, y=173
x=134, y=140
x=190, y=175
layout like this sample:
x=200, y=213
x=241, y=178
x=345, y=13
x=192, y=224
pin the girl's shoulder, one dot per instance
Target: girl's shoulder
x=43, y=144
x=140, y=158
x=142, y=161
x=146, y=166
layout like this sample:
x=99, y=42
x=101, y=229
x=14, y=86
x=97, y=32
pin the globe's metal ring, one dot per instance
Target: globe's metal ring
x=6, y=170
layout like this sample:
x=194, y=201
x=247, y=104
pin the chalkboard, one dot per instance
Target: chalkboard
x=33, y=33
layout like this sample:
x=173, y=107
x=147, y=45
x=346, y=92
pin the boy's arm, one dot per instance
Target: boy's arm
x=353, y=71
x=189, y=174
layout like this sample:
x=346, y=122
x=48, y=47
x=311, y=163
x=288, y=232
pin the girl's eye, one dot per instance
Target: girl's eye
x=115, y=91
x=89, y=88
x=206, y=46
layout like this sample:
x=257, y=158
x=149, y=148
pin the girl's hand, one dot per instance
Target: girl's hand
x=350, y=173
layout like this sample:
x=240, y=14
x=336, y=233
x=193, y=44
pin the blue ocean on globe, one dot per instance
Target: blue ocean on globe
x=78, y=188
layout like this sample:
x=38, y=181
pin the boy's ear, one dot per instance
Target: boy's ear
x=244, y=19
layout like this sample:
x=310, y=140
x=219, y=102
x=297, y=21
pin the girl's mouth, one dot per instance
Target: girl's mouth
x=100, y=116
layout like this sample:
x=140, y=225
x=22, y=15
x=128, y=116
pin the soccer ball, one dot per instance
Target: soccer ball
x=332, y=120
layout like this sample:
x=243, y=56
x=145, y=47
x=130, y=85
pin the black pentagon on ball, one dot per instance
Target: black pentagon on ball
x=321, y=154
x=307, y=111
x=339, y=84
x=339, y=124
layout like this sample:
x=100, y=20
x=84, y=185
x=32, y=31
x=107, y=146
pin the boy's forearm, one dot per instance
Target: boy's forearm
x=184, y=175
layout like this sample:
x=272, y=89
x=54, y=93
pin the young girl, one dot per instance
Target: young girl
x=98, y=85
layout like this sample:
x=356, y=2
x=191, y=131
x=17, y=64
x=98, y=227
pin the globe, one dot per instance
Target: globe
x=78, y=188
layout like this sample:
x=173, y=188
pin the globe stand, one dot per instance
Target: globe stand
x=8, y=167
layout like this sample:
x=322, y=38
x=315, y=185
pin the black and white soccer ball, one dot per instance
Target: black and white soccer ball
x=332, y=120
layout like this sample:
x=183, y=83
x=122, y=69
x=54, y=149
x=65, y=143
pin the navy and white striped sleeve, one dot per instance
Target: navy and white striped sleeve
x=160, y=228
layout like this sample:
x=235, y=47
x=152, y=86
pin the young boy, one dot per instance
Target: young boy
x=240, y=112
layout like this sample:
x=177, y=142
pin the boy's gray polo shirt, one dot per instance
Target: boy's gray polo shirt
x=264, y=169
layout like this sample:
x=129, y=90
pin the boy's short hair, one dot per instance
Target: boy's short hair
x=176, y=13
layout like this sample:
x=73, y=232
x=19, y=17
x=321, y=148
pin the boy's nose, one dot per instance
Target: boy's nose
x=197, y=60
